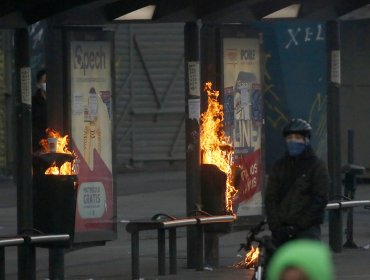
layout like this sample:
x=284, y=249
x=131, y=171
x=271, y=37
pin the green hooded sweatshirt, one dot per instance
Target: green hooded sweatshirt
x=312, y=257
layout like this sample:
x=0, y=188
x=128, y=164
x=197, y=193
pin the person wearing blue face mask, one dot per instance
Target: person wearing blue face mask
x=297, y=188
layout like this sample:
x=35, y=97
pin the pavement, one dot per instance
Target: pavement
x=145, y=193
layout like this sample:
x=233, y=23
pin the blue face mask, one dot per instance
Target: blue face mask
x=295, y=148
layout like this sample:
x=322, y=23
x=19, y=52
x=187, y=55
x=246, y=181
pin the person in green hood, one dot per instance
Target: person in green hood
x=301, y=259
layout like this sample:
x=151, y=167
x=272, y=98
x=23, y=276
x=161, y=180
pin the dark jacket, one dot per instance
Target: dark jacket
x=39, y=119
x=297, y=191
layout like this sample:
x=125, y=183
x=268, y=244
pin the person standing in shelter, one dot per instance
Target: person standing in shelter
x=297, y=188
x=39, y=110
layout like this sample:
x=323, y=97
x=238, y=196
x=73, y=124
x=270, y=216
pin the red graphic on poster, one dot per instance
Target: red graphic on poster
x=95, y=194
x=250, y=181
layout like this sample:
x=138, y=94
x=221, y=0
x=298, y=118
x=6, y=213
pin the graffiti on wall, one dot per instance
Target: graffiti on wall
x=294, y=82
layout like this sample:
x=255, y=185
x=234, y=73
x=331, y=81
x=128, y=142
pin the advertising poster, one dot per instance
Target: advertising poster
x=91, y=131
x=243, y=118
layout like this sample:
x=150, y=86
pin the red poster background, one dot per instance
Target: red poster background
x=250, y=182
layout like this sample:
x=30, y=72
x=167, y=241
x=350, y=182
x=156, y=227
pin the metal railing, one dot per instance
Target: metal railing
x=337, y=207
x=161, y=223
x=346, y=204
x=55, y=243
x=6, y=242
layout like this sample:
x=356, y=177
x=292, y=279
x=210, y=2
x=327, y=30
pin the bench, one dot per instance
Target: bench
x=161, y=223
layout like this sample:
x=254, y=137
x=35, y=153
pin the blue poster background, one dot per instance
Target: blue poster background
x=295, y=82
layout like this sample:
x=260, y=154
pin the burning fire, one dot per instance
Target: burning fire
x=61, y=146
x=66, y=169
x=250, y=260
x=215, y=145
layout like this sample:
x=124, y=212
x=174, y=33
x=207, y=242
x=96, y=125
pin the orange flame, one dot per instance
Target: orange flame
x=215, y=145
x=67, y=168
x=52, y=170
x=250, y=260
x=62, y=142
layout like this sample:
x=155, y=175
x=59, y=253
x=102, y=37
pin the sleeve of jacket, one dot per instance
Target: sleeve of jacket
x=320, y=189
x=272, y=199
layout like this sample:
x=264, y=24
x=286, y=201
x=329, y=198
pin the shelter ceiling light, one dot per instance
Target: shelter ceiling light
x=287, y=12
x=139, y=14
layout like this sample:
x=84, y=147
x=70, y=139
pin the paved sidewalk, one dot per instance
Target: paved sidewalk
x=144, y=194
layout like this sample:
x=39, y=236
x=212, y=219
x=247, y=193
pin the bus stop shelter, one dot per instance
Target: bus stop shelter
x=19, y=15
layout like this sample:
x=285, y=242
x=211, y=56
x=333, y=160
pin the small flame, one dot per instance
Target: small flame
x=67, y=168
x=250, y=260
x=52, y=170
x=62, y=142
x=215, y=145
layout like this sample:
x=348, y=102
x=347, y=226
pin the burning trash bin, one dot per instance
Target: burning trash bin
x=54, y=186
x=217, y=188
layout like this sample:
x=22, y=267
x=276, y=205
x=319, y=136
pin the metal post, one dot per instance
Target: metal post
x=191, y=33
x=349, y=182
x=172, y=251
x=350, y=185
x=161, y=251
x=26, y=254
x=135, y=270
x=211, y=249
x=334, y=150
x=56, y=263
x=2, y=263
x=199, y=261
x=351, y=146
